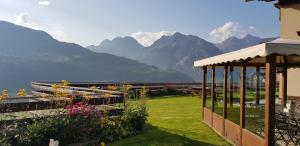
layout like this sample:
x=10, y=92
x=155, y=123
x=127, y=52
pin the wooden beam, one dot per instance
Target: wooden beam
x=239, y=64
x=204, y=74
x=225, y=97
x=25, y=104
x=70, y=89
x=225, y=92
x=86, y=86
x=213, y=86
x=242, y=99
x=242, y=96
x=290, y=65
x=213, y=94
x=231, y=86
x=284, y=86
x=270, y=100
x=257, y=85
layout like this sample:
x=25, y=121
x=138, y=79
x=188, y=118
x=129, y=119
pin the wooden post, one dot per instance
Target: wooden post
x=257, y=85
x=284, y=86
x=242, y=100
x=225, y=98
x=204, y=74
x=231, y=86
x=225, y=92
x=270, y=100
x=213, y=80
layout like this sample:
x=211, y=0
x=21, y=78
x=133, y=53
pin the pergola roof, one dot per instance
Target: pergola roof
x=257, y=54
x=286, y=2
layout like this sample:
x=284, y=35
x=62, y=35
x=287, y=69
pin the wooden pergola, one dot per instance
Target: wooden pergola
x=279, y=53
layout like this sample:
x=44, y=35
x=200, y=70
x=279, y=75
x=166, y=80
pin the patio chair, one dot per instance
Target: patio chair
x=281, y=128
x=298, y=137
x=294, y=131
x=298, y=108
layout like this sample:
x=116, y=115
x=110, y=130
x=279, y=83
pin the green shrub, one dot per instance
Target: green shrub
x=134, y=117
x=77, y=128
x=166, y=92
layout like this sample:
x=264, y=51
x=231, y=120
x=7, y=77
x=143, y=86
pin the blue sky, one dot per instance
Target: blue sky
x=88, y=22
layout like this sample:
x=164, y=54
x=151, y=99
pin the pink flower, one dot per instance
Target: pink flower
x=82, y=109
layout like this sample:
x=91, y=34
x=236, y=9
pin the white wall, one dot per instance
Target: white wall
x=293, y=82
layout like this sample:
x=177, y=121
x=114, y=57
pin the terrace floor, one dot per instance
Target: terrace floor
x=174, y=121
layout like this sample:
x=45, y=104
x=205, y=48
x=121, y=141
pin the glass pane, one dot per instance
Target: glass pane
x=219, y=91
x=254, y=108
x=208, y=86
x=233, y=106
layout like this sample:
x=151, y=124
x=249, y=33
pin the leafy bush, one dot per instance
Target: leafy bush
x=65, y=128
x=134, y=117
x=166, y=92
x=81, y=123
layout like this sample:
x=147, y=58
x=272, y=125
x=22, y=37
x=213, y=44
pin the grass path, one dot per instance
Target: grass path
x=174, y=121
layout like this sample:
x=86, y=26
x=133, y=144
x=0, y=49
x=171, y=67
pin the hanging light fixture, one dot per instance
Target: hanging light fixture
x=282, y=62
x=279, y=69
x=298, y=33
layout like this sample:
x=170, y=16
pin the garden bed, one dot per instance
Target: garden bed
x=77, y=123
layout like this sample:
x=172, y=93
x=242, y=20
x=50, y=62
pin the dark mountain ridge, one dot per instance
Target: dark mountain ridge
x=25, y=42
x=30, y=55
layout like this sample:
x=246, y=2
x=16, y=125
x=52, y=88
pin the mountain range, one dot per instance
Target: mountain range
x=28, y=55
x=177, y=52
x=120, y=46
x=234, y=43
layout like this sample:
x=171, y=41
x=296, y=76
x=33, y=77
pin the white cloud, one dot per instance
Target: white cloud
x=252, y=28
x=21, y=19
x=25, y=19
x=148, y=38
x=44, y=3
x=230, y=29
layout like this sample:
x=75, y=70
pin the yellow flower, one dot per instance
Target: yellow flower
x=112, y=87
x=62, y=93
x=87, y=97
x=55, y=86
x=144, y=92
x=93, y=87
x=101, y=123
x=107, y=95
x=64, y=82
x=68, y=99
x=127, y=87
x=102, y=144
x=22, y=92
x=113, y=123
x=5, y=94
x=58, y=90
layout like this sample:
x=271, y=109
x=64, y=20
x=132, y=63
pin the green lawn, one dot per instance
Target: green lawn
x=174, y=121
